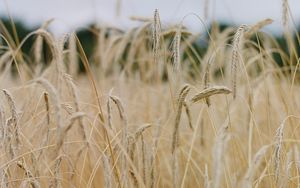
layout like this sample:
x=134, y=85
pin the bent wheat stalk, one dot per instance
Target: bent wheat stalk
x=175, y=141
x=182, y=96
x=188, y=114
x=123, y=117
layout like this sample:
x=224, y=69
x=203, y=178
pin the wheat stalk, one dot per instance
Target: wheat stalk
x=108, y=106
x=4, y=178
x=256, y=162
x=46, y=138
x=135, y=180
x=189, y=115
x=56, y=100
x=207, y=77
x=5, y=58
x=153, y=156
x=65, y=130
x=55, y=183
x=2, y=124
x=33, y=182
x=75, y=96
x=107, y=172
x=288, y=166
x=144, y=160
x=219, y=154
x=46, y=98
x=175, y=169
x=206, y=180
x=131, y=151
x=297, y=156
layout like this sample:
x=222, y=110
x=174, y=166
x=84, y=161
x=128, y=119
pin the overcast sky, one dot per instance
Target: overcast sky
x=70, y=14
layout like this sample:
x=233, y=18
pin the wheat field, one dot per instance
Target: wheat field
x=150, y=110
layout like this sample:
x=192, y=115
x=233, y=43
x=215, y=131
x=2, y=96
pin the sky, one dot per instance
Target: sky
x=70, y=14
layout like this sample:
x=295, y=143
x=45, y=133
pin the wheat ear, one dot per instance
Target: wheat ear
x=210, y=92
x=285, y=13
x=237, y=41
x=176, y=51
x=256, y=27
x=12, y=133
x=278, y=147
x=156, y=31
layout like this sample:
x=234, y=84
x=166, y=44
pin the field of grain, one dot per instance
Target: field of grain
x=149, y=110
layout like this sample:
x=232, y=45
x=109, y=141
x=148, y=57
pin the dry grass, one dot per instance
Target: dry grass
x=64, y=129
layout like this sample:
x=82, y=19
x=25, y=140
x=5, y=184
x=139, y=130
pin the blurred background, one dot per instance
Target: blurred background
x=87, y=17
x=73, y=14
